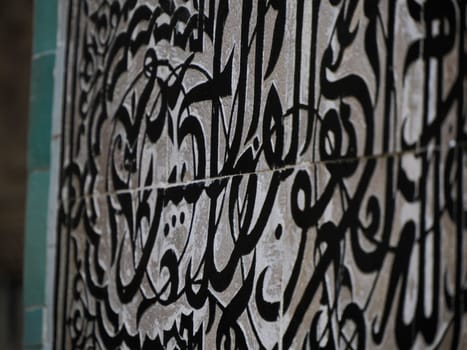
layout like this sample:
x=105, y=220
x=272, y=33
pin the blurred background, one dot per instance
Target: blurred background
x=15, y=60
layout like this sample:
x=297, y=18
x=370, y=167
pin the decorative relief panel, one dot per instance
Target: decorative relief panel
x=263, y=174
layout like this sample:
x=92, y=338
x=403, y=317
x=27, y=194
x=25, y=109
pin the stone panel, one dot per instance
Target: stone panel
x=262, y=174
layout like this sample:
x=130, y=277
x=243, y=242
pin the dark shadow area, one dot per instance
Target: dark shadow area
x=15, y=59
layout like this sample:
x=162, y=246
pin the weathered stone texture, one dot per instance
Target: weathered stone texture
x=248, y=174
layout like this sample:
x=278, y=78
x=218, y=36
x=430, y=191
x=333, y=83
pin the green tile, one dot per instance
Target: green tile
x=33, y=323
x=36, y=239
x=40, y=112
x=45, y=26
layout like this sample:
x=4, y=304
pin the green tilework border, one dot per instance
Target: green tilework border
x=40, y=111
x=38, y=164
x=35, y=239
x=45, y=26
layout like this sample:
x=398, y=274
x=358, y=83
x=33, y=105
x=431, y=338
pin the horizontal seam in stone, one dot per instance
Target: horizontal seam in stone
x=163, y=185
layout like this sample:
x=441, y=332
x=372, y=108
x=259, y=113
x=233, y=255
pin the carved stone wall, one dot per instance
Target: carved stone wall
x=263, y=174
